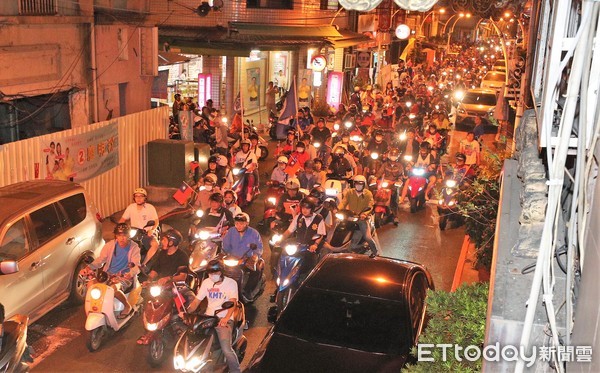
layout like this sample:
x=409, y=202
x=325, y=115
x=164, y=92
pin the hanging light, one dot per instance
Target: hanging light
x=360, y=5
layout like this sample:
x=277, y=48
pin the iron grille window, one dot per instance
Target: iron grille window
x=37, y=7
x=271, y=4
x=329, y=5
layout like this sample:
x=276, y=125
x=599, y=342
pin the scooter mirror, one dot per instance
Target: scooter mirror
x=150, y=223
x=227, y=305
x=316, y=237
x=8, y=267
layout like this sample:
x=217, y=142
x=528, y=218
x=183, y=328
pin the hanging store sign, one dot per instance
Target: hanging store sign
x=402, y=31
x=319, y=63
x=334, y=89
x=204, y=86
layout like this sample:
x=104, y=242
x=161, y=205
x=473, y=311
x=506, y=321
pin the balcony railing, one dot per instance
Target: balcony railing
x=37, y=7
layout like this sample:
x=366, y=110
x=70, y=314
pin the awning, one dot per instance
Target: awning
x=170, y=58
x=349, y=39
x=284, y=31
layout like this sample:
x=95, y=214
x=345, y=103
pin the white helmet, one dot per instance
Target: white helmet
x=242, y=216
x=222, y=160
x=292, y=183
x=141, y=191
x=359, y=179
x=282, y=159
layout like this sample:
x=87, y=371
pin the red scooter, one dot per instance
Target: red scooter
x=382, y=198
x=417, y=184
x=274, y=192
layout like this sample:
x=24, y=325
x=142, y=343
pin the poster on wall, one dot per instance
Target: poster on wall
x=280, y=74
x=334, y=89
x=305, y=87
x=253, y=88
x=80, y=157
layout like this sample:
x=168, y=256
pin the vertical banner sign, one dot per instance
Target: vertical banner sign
x=334, y=89
x=384, y=14
x=81, y=157
x=204, y=86
x=186, y=121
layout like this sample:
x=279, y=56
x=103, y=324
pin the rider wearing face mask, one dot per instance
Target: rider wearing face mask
x=357, y=200
x=205, y=190
x=378, y=144
x=218, y=289
x=340, y=167
x=289, y=201
x=392, y=170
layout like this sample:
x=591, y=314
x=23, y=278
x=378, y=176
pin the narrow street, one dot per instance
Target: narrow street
x=59, y=338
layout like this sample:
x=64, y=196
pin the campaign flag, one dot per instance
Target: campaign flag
x=290, y=105
x=183, y=194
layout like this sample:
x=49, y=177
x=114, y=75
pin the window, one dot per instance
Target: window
x=37, y=7
x=46, y=223
x=75, y=208
x=330, y=5
x=14, y=244
x=272, y=4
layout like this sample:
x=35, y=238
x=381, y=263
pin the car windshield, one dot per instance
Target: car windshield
x=472, y=98
x=495, y=77
x=347, y=320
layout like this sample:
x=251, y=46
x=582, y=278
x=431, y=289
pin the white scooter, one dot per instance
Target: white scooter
x=102, y=308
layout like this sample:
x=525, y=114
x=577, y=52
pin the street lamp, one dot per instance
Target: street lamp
x=460, y=15
x=420, y=29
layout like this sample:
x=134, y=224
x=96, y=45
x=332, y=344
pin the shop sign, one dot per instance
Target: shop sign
x=334, y=89
x=319, y=63
x=204, y=86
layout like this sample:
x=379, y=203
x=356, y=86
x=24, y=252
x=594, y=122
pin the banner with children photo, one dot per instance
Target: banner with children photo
x=80, y=157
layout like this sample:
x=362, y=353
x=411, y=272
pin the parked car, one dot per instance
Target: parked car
x=352, y=314
x=49, y=228
x=499, y=65
x=493, y=80
x=476, y=102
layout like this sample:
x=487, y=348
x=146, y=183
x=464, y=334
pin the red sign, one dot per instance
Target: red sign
x=384, y=14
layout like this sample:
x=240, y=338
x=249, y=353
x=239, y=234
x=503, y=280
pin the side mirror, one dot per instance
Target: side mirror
x=272, y=314
x=8, y=267
x=150, y=223
x=227, y=305
x=316, y=237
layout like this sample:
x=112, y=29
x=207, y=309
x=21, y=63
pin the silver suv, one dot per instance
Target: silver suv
x=49, y=228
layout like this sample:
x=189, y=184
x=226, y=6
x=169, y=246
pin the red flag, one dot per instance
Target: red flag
x=183, y=194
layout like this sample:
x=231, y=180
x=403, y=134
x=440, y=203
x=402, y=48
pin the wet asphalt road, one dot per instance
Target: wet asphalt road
x=59, y=338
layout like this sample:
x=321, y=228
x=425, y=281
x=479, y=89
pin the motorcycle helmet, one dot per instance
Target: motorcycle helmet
x=216, y=197
x=141, y=191
x=321, y=120
x=292, y=183
x=339, y=151
x=121, y=228
x=245, y=142
x=309, y=202
x=461, y=156
x=393, y=155
x=173, y=235
x=242, y=216
x=319, y=193
x=215, y=265
x=232, y=193
x=300, y=145
x=359, y=182
x=222, y=161
x=210, y=179
x=213, y=159
x=282, y=159
x=378, y=133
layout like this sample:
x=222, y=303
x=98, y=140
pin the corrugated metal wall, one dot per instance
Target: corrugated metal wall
x=110, y=191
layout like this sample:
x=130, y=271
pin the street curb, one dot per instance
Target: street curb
x=456, y=282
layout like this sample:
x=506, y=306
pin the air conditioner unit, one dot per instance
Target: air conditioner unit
x=349, y=61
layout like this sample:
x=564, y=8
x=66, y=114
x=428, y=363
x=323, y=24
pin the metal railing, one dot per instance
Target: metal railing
x=38, y=7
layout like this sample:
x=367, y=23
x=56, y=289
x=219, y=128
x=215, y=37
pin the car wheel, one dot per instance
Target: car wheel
x=78, y=285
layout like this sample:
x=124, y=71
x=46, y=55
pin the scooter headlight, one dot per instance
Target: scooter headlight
x=178, y=362
x=452, y=203
x=408, y=158
x=440, y=202
x=272, y=200
x=348, y=124
x=339, y=216
x=132, y=233
x=402, y=136
x=231, y=262
x=408, y=104
x=291, y=250
x=411, y=116
x=356, y=138
x=199, y=213
x=95, y=293
x=203, y=235
x=151, y=327
x=374, y=155
x=278, y=281
x=317, y=145
x=286, y=282
x=276, y=239
x=418, y=171
x=450, y=183
x=331, y=192
x=236, y=170
x=195, y=364
x=384, y=184
x=155, y=290
x=336, y=127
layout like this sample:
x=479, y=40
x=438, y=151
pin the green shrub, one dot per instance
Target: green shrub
x=454, y=318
